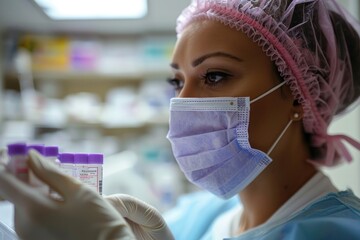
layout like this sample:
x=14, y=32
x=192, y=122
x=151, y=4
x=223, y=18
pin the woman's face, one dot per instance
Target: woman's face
x=213, y=60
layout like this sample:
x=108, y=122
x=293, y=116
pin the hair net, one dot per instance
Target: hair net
x=315, y=46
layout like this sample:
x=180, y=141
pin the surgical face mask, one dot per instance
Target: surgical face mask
x=209, y=139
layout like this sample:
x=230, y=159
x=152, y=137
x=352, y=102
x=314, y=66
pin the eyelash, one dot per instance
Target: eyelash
x=178, y=84
x=211, y=83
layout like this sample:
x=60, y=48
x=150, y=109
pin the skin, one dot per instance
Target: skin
x=213, y=60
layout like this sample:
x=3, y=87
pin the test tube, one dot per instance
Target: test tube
x=95, y=165
x=38, y=147
x=52, y=154
x=80, y=161
x=67, y=164
x=17, y=162
x=33, y=180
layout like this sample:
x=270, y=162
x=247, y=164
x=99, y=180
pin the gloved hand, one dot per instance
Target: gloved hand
x=145, y=221
x=2, y=162
x=3, y=159
x=81, y=215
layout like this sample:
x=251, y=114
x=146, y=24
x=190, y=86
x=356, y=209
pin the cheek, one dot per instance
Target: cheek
x=268, y=117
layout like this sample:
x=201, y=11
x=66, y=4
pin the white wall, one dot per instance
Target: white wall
x=351, y=5
x=1, y=76
x=348, y=175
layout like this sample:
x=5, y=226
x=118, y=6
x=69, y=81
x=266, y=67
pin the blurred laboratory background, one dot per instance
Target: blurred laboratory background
x=97, y=83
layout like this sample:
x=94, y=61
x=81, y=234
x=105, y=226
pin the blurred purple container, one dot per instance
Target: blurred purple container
x=81, y=158
x=66, y=157
x=17, y=149
x=51, y=151
x=96, y=158
x=38, y=147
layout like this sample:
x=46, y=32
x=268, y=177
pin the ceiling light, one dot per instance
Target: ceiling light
x=93, y=9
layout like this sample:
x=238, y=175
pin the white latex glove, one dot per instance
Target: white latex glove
x=82, y=215
x=3, y=157
x=2, y=163
x=145, y=221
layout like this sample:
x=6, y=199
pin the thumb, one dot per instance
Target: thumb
x=49, y=174
x=145, y=221
x=137, y=211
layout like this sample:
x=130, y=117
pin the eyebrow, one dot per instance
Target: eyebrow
x=201, y=59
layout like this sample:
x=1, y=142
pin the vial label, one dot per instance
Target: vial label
x=90, y=175
x=100, y=180
x=68, y=169
x=18, y=166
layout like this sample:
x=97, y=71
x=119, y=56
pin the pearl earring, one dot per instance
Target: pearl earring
x=296, y=115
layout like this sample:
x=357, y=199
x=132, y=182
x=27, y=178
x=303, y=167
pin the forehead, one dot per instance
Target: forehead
x=207, y=35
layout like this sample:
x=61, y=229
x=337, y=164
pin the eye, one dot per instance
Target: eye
x=176, y=83
x=213, y=78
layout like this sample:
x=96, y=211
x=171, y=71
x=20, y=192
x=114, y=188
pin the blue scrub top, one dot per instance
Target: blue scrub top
x=194, y=213
x=334, y=216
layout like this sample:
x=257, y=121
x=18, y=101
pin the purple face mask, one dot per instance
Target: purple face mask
x=209, y=138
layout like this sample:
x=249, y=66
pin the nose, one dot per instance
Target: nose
x=189, y=90
x=186, y=92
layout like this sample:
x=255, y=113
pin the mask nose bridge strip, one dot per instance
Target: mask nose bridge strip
x=267, y=92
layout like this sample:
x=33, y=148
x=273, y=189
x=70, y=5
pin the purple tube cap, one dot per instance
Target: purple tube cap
x=81, y=158
x=38, y=147
x=66, y=157
x=51, y=151
x=17, y=149
x=96, y=158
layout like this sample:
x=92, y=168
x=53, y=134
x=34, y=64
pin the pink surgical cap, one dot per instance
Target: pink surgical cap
x=314, y=44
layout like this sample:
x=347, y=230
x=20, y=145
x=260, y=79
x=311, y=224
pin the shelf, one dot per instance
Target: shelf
x=78, y=124
x=90, y=75
x=87, y=75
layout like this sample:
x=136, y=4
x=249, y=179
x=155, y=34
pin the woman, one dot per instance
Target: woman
x=258, y=84
x=297, y=71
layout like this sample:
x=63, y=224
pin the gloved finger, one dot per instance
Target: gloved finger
x=13, y=189
x=137, y=211
x=2, y=156
x=2, y=163
x=49, y=174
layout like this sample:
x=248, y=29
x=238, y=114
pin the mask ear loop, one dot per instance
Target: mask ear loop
x=288, y=124
x=279, y=137
x=268, y=92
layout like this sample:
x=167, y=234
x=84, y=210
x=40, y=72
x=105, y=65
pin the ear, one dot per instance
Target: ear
x=297, y=111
